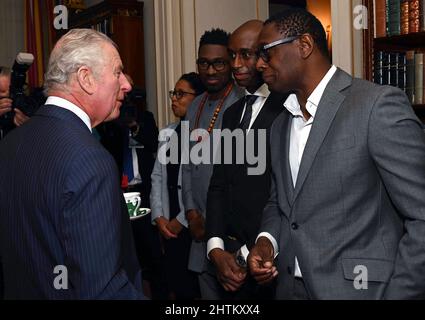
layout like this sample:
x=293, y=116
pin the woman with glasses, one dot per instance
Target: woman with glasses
x=167, y=208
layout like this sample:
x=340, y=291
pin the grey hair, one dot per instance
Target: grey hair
x=77, y=48
x=4, y=71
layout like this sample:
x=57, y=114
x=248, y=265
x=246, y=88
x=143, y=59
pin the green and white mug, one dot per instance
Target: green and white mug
x=133, y=201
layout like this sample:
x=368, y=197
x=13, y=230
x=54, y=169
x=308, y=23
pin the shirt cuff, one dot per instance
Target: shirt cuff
x=214, y=243
x=245, y=252
x=272, y=240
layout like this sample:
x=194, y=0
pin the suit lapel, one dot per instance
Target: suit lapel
x=237, y=114
x=271, y=109
x=284, y=154
x=328, y=107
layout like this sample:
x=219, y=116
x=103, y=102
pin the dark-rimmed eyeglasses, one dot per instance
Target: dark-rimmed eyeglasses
x=218, y=65
x=179, y=94
x=263, y=52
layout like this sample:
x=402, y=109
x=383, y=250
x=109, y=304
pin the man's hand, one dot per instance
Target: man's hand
x=162, y=223
x=5, y=105
x=229, y=274
x=260, y=261
x=20, y=118
x=196, y=224
x=174, y=226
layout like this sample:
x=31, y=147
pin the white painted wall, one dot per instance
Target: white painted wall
x=347, y=45
x=11, y=30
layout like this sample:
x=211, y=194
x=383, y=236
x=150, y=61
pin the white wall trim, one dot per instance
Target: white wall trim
x=342, y=39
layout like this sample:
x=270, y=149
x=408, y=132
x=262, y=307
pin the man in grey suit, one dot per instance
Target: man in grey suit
x=346, y=215
x=206, y=112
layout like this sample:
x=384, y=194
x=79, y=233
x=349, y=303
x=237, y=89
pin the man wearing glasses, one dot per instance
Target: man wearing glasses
x=346, y=216
x=206, y=113
x=236, y=199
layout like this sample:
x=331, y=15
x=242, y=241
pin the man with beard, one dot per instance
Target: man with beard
x=235, y=198
x=206, y=113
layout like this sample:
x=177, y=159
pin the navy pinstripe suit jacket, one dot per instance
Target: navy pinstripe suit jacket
x=61, y=204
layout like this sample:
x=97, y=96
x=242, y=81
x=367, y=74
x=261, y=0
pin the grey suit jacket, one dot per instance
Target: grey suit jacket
x=196, y=177
x=160, y=202
x=359, y=196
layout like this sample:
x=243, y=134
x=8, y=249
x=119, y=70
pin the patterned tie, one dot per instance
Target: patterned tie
x=249, y=101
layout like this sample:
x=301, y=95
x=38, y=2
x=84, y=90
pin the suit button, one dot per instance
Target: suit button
x=294, y=226
x=289, y=270
x=179, y=187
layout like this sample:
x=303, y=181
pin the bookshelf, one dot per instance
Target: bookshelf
x=122, y=21
x=393, y=42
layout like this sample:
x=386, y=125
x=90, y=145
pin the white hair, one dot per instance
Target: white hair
x=4, y=71
x=78, y=47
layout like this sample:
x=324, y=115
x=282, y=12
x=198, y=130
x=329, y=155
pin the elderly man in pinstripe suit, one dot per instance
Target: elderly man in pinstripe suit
x=64, y=229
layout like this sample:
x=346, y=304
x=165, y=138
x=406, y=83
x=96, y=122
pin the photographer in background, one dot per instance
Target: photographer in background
x=8, y=123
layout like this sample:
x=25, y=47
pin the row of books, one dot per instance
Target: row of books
x=103, y=26
x=396, y=17
x=404, y=70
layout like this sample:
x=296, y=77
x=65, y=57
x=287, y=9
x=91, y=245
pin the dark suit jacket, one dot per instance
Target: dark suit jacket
x=357, y=211
x=114, y=136
x=61, y=204
x=235, y=199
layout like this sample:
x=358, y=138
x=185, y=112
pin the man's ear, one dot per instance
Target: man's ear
x=86, y=79
x=307, y=44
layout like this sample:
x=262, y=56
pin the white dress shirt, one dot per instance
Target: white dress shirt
x=300, y=131
x=262, y=93
x=62, y=103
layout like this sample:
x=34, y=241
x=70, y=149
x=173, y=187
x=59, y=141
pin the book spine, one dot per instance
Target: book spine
x=419, y=78
x=393, y=66
x=404, y=17
x=414, y=25
x=385, y=68
x=387, y=18
x=394, y=17
x=377, y=67
x=401, y=71
x=410, y=74
x=380, y=18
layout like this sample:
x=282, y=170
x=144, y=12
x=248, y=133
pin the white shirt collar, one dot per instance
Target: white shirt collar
x=292, y=104
x=62, y=103
x=262, y=91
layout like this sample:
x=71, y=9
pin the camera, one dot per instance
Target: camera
x=18, y=77
x=132, y=105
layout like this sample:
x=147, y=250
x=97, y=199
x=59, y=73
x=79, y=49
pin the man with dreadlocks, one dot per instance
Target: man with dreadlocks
x=206, y=113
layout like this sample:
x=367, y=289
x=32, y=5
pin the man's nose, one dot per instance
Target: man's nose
x=211, y=69
x=236, y=63
x=261, y=64
x=125, y=85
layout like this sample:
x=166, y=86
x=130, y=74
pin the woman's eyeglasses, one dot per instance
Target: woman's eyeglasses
x=263, y=52
x=179, y=94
